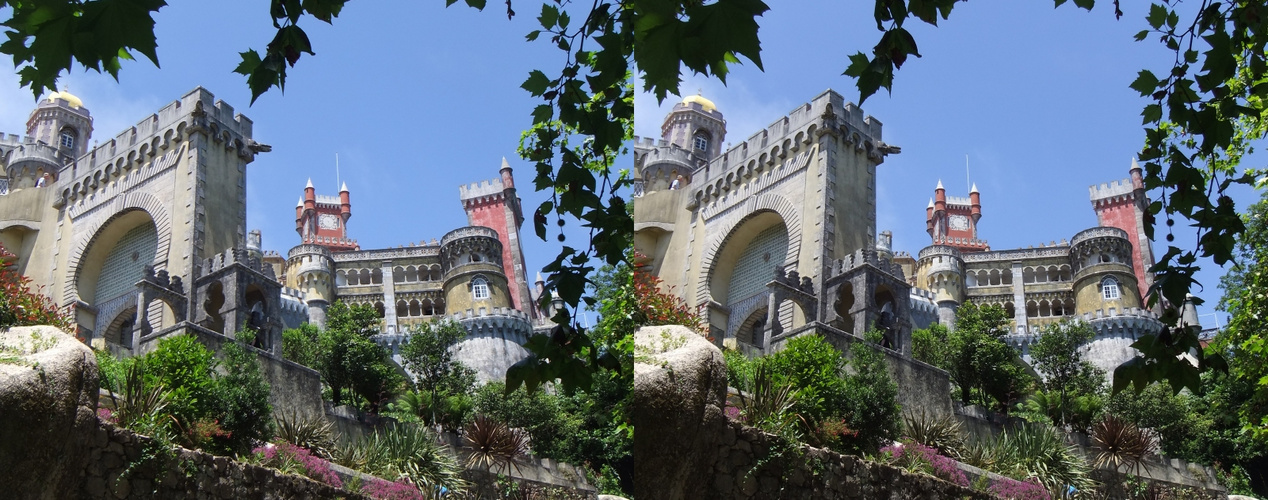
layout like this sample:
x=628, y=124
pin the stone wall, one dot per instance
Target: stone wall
x=124, y=465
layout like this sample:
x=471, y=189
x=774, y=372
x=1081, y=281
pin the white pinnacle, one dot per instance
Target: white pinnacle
x=344, y=188
x=939, y=184
x=974, y=190
x=930, y=203
x=310, y=183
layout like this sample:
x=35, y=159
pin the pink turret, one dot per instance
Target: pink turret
x=939, y=198
x=975, y=199
x=345, y=203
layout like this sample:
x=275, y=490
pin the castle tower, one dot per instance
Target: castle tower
x=1122, y=204
x=696, y=125
x=495, y=205
x=471, y=258
x=941, y=267
x=323, y=220
x=63, y=122
x=952, y=220
x=1104, y=279
x=310, y=269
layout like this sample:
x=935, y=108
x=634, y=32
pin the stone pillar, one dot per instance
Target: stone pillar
x=317, y=313
x=772, y=319
x=142, y=321
x=1019, y=296
x=389, y=298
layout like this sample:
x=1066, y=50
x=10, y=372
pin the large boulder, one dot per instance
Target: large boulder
x=48, y=402
x=679, y=393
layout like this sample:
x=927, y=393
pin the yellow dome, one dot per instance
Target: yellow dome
x=699, y=99
x=68, y=97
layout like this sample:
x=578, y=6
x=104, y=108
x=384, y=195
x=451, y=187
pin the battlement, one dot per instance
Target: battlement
x=939, y=250
x=1098, y=232
x=960, y=201
x=301, y=250
x=962, y=243
x=331, y=241
x=1111, y=189
x=467, y=232
x=866, y=256
x=1105, y=322
x=650, y=142
x=323, y=199
x=477, y=192
x=923, y=301
x=293, y=300
x=236, y=256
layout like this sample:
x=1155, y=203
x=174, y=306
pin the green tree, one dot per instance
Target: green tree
x=302, y=345
x=428, y=355
x=1057, y=356
x=20, y=305
x=1246, y=298
x=242, y=396
x=980, y=363
x=349, y=358
x=930, y=345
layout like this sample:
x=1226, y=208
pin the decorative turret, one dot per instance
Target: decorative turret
x=939, y=198
x=942, y=269
x=929, y=218
x=310, y=269
x=345, y=203
x=1101, y=258
x=1123, y=204
x=61, y=121
x=695, y=125
x=976, y=204
x=496, y=206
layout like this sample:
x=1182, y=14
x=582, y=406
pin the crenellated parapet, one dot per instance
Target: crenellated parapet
x=493, y=343
x=25, y=160
x=1115, y=332
x=237, y=256
x=470, y=246
x=867, y=257
x=488, y=191
x=1113, y=192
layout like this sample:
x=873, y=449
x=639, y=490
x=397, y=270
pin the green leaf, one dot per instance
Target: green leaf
x=536, y=83
x=1157, y=16
x=1152, y=113
x=1145, y=82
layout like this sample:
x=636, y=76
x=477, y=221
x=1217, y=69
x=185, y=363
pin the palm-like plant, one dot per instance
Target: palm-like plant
x=1039, y=451
x=493, y=443
x=769, y=406
x=403, y=451
x=940, y=432
x=1119, y=442
x=312, y=433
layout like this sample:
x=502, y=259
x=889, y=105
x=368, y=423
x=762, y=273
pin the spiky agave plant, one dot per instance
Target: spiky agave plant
x=493, y=443
x=770, y=405
x=942, y=432
x=1038, y=451
x=1120, y=443
x=314, y=434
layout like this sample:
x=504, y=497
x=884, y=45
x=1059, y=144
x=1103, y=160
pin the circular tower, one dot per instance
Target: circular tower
x=942, y=269
x=1101, y=258
x=310, y=269
x=471, y=258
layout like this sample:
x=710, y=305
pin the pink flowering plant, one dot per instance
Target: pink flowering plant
x=1012, y=489
x=379, y=489
x=920, y=458
x=292, y=459
x=107, y=416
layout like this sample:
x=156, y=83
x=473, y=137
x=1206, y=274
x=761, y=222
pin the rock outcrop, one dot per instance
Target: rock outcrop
x=48, y=401
x=679, y=397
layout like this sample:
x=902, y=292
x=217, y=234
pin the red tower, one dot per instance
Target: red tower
x=495, y=205
x=952, y=220
x=323, y=220
x=1122, y=204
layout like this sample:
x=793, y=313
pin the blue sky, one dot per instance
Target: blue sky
x=416, y=99
x=1037, y=98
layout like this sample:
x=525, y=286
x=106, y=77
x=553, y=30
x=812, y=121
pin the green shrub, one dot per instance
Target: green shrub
x=739, y=369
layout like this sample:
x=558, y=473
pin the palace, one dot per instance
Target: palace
x=145, y=236
x=776, y=237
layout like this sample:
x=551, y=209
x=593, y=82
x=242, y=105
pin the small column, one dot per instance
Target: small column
x=389, y=298
x=1019, y=296
x=142, y=321
x=772, y=318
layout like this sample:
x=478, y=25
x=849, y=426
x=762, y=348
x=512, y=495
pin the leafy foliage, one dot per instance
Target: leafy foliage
x=1245, y=289
x=402, y=452
x=22, y=305
x=982, y=366
x=302, y=345
x=940, y=432
x=931, y=345
x=1075, y=382
x=428, y=355
x=1039, y=451
x=770, y=404
x=177, y=391
x=315, y=434
x=349, y=358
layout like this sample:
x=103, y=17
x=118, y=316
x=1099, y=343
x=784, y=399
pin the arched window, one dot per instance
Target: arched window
x=480, y=289
x=1109, y=288
x=700, y=141
x=68, y=138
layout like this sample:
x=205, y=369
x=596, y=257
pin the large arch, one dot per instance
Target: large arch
x=120, y=207
x=117, y=256
x=760, y=208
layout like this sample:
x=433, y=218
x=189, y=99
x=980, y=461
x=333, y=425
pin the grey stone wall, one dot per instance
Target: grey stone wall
x=124, y=465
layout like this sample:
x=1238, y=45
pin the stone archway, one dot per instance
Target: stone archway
x=768, y=204
x=90, y=237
